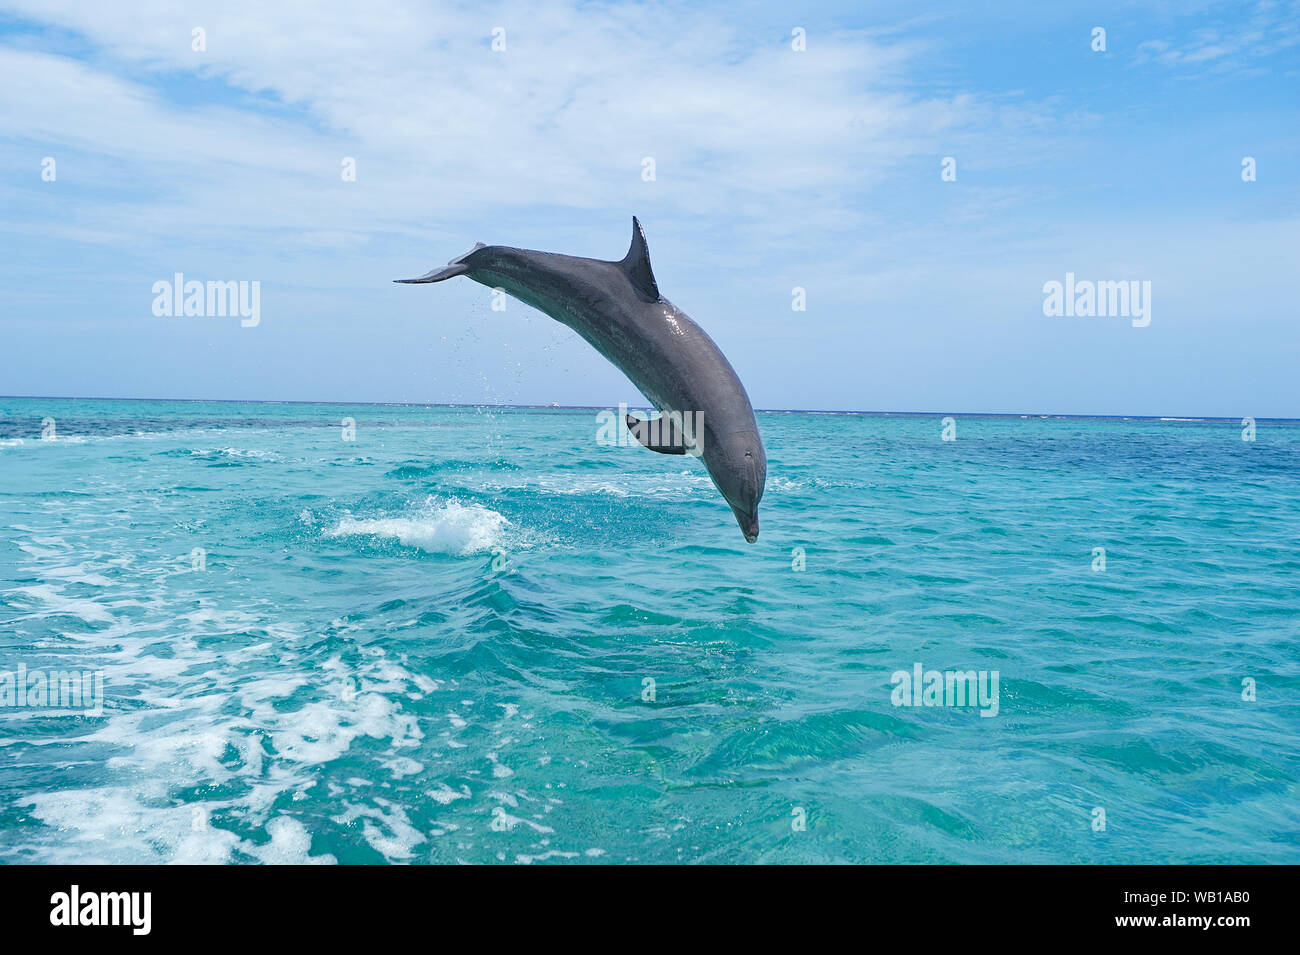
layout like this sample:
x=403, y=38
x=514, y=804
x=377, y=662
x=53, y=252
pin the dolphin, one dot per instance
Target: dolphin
x=616, y=306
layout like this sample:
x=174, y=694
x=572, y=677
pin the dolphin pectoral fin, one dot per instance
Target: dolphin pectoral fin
x=661, y=434
x=636, y=264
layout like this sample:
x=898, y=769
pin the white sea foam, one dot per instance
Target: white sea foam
x=679, y=486
x=240, y=695
x=113, y=825
x=290, y=844
x=54, y=602
x=236, y=453
x=447, y=527
x=181, y=731
x=177, y=434
x=524, y=859
x=403, y=766
x=506, y=822
x=444, y=794
x=393, y=836
x=76, y=574
x=33, y=551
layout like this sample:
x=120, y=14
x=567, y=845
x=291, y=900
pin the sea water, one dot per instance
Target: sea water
x=344, y=633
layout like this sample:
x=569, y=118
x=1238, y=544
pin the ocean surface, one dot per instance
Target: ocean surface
x=480, y=636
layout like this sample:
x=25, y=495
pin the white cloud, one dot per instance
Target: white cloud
x=775, y=168
x=446, y=131
x=1237, y=39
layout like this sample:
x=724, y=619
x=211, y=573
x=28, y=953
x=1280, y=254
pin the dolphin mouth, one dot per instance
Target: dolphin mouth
x=748, y=525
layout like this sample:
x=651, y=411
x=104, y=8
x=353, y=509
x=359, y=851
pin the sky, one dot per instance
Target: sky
x=921, y=171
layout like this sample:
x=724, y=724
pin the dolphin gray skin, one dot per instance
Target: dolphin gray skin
x=616, y=306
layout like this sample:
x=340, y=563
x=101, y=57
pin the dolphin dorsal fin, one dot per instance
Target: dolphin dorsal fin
x=637, y=264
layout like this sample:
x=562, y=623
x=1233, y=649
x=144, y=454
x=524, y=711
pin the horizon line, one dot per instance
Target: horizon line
x=559, y=407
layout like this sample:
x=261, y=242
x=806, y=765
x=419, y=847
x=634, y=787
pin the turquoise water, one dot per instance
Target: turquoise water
x=431, y=643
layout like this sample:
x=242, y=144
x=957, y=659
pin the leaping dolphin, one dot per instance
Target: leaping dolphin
x=616, y=306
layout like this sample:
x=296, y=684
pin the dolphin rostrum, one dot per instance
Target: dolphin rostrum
x=616, y=306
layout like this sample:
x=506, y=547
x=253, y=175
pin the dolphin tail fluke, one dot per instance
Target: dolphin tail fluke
x=449, y=271
x=437, y=275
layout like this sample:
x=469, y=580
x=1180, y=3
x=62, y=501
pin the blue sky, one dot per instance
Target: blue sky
x=774, y=169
